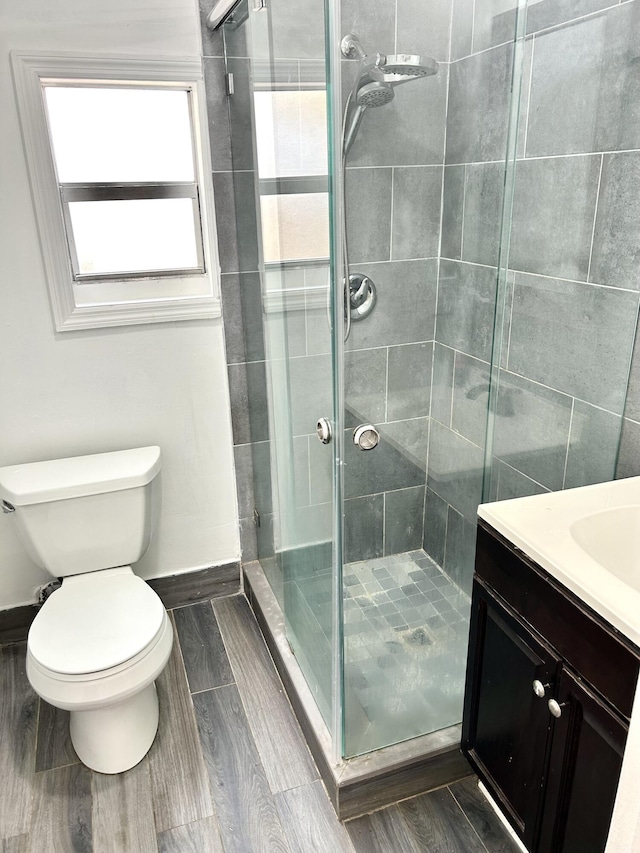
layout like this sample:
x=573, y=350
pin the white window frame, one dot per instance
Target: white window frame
x=125, y=301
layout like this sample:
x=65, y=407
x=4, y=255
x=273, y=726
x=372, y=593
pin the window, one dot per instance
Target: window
x=117, y=151
x=291, y=135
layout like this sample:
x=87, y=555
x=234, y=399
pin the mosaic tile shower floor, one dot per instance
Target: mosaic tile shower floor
x=406, y=632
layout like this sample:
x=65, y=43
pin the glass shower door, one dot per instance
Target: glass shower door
x=287, y=86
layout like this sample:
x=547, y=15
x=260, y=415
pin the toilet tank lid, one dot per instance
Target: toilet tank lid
x=78, y=476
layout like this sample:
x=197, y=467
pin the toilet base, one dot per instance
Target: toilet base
x=115, y=738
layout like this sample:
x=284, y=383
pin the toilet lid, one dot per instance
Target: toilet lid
x=95, y=623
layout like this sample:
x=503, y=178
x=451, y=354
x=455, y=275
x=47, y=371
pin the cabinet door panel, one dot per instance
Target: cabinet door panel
x=586, y=756
x=506, y=726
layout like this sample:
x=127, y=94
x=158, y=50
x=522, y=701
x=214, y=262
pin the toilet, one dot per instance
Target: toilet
x=100, y=641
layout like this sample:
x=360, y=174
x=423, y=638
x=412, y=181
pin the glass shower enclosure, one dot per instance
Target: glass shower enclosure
x=479, y=349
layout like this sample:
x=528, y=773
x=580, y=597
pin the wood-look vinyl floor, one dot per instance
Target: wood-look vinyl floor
x=229, y=771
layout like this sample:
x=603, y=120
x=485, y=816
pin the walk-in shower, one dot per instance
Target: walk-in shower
x=495, y=222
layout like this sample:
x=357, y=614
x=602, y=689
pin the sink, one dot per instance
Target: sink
x=612, y=538
x=588, y=539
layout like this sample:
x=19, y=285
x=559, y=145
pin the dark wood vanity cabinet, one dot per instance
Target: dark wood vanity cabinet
x=548, y=698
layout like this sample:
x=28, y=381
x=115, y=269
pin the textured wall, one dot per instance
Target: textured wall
x=91, y=391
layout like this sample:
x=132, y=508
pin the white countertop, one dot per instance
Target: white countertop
x=540, y=526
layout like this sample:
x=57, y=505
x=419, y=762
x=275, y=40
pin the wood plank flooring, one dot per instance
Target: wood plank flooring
x=229, y=771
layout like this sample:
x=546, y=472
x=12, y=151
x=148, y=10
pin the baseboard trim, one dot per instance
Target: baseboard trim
x=189, y=587
x=15, y=623
x=174, y=590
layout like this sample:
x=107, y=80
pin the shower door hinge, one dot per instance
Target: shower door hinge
x=259, y=4
x=230, y=84
x=256, y=518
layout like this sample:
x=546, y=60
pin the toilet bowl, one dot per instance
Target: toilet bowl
x=99, y=642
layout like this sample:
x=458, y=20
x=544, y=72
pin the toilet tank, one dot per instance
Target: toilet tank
x=85, y=513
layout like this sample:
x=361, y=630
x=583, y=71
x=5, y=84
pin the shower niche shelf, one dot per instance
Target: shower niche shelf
x=548, y=701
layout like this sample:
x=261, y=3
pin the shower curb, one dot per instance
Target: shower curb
x=368, y=782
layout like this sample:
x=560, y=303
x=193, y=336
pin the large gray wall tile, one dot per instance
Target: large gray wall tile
x=616, y=241
x=576, y=338
x=484, y=188
x=397, y=462
x=461, y=28
x=368, y=206
x=442, y=387
x=403, y=519
x=553, y=212
x=455, y=469
x=510, y=483
x=435, y=526
x=405, y=311
x=460, y=551
x=424, y=29
x=532, y=439
x=593, y=446
x=629, y=459
x=466, y=306
x=493, y=24
x=240, y=114
x=452, y=212
x=374, y=24
x=585, y=89
x=470, y=398
x=409, y=381
x=632, y=406
x=478, y=110
x=550, y=13
x=299, y=36
x=363, y=528
x=218, y=113
x=365, y=379
x=417, y=193
x=232, y=318
x=310, y=392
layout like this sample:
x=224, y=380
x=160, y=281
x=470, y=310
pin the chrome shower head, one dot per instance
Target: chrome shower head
x=374, y=94
x=402, y=67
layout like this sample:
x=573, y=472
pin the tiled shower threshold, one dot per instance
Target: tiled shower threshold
x=368, y=782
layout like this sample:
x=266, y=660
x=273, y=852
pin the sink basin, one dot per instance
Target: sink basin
x=612, y=538
x=588, y=539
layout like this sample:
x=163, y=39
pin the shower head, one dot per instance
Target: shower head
x=374, y=94
x=402, y=67
x=374, y=81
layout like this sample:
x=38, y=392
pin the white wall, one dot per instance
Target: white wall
x=64, y=394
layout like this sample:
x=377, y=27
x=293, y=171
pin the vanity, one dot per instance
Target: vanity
x=554, y=658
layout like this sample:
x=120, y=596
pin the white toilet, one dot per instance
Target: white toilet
x=100, y=641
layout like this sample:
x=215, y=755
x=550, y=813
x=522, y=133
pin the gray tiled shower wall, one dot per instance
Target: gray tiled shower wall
x=572, y=292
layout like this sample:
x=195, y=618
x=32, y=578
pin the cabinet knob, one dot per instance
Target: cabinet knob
x=539, y=688
x=555, y=708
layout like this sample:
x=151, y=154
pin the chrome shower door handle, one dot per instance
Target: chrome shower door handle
x=323, y=430
x=366, y=437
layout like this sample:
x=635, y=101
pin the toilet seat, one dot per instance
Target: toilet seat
x=96, y=623
x=88, y=691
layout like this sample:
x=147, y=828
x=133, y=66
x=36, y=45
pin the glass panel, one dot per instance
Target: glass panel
x=295, y=226
x=279, y=132
x=423, y=179
x=118, y=135
x=136, y=235
x=291, y=131
x=561, y=365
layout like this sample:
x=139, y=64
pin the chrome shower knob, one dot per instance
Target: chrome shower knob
x=323, y=430
x=366, y=437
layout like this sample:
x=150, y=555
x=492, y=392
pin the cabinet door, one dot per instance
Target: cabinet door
x=506, y=726
x=586, y=756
